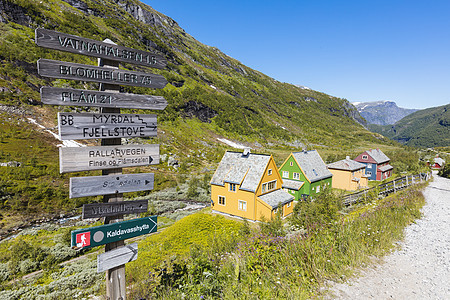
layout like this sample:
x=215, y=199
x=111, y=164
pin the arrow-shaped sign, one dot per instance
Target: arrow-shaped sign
x=74, y=159
x=117, y=257
x=114, y=232
x=111, y=184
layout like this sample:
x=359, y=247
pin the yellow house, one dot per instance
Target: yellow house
x=348, y=175
x=248, y=185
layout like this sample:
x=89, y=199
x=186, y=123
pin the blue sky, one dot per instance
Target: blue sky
x=358, y=50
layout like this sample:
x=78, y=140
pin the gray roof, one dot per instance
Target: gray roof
x=312, y=165
x=276, y=197
x=385, y=168
x=439, y=161
x=292, y=184
x=347, y=165
x=244, y=170
x=378, y=156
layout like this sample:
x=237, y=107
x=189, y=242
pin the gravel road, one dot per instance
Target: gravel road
x=421, y=269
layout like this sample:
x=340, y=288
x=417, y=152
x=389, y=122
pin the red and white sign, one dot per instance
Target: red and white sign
x=83, y=239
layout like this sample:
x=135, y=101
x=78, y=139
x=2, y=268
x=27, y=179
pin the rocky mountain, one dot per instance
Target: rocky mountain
x=424, y=128
x=382, y=112
x=211, y=97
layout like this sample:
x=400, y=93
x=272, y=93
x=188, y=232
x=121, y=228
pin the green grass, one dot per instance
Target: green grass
x=194, y=258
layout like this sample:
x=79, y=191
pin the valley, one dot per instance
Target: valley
x=177, y=125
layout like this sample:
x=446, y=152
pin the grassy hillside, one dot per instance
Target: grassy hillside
x=425, y=128
x=210, y=96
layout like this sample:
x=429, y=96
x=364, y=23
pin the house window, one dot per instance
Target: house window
x=232, y=187
x=289, y=204
x=318, y=189
x=291, y=163
x=369, y=166
x=269, y=172
x=364, y=157
x=242, y=205
x=221, y=200
x=369, y=173
x=285, y=174
x=268, y=186
x=296, y=175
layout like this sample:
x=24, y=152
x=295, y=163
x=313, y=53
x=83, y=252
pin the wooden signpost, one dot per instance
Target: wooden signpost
x=117, y=257
x=75, y=44
x=98, y=210
x=76, y=159
x=110, y=126
x=66, y=70
x=75, y=97
x=110, y=233
x=80, y=126
x=112, y=184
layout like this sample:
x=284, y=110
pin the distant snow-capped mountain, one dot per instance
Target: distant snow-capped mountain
x=382, y=112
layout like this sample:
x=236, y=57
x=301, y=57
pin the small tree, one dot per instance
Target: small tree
x=317, y=213
x=273, y=226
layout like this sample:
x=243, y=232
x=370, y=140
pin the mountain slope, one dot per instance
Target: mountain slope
x=425, y=128
x=210, y=95
x=203, y=79
x=382, y=112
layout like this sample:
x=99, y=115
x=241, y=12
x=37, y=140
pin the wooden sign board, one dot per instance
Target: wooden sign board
x=109, y=209
x=114, y=232
x=80, y=126
x=76, y=159
x=107, y=185
x=75, y=44
x=75, y=97
x=117, y=257
x=73, y=71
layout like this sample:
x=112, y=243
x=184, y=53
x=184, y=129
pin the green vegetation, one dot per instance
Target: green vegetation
x=425, y=128
x=211, y=257
x=210, y=95
x=445, y=171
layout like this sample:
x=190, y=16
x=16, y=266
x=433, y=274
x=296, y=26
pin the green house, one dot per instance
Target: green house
x=305, y=174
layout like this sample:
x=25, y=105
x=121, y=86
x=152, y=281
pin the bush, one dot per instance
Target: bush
x=445, y=171
x=274, y=226
x=317, y=213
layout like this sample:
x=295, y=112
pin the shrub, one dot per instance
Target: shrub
x=317, y=213
x=445, y=171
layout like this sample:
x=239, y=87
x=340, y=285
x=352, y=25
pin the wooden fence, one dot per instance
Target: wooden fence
x=385, y=189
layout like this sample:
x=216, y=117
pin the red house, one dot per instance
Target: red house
x=377, y=164
x=438, y=162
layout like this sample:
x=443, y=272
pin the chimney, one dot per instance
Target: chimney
x=246, y=152
x=347, y=157
x=305, y=149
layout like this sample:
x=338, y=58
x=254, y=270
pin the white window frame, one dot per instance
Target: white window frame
x=289, y=204
x=285, y=174
x=369, y=173
x=232, y=187
x=365, y=157
x=296, y=175
x=242, y=205
x=291, y=163
x=318, y=189
x=266, y=186
x=269, y=172
x=224, y=200
x=274, y=182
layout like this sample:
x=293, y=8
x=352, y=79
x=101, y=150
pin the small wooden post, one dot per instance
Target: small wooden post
x=115, y=277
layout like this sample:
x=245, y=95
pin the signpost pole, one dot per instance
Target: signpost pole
x=115, y=277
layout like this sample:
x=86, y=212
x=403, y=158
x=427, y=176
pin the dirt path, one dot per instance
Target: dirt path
x=421, y=269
